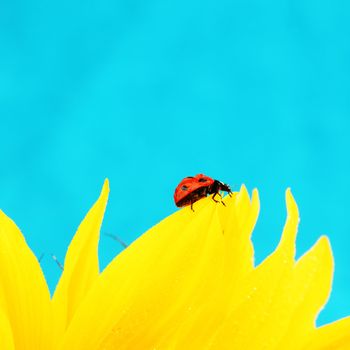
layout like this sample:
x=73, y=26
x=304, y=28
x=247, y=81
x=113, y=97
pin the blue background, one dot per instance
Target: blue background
x=147, y=92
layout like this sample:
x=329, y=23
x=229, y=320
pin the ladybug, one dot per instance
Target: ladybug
x=193, y=188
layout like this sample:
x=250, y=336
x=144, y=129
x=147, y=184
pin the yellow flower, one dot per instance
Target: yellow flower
x=188, y=283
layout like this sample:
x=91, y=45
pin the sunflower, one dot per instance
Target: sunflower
x=187, y=283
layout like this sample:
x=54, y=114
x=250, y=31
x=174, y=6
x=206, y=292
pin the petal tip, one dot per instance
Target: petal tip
x=325, y=244
x=105, y=185
x=255, y=193
x=291, y=204
x=243, y=192
x=243, y=188
x=255, y=198
x=105, y=189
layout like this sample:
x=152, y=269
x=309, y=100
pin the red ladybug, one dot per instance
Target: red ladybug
x=193, y=188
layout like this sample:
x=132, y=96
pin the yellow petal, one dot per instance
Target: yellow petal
x=240, y=217
x=213, y=306
x=211, y=298
x=334, y=336
x=310, y=288
x=190, y=283
x=255, y=304
x=279, y=301
x=81, y=267
x=287, y=244
x=24, y=296
x=143, y=281
x=161, y=280
x=6, y=338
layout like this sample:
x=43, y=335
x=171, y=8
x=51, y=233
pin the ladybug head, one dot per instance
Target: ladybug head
x=220, y=186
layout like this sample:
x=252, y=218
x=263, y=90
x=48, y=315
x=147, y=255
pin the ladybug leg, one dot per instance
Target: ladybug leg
x=216, y=201
x=192, y=206
x=222, y=202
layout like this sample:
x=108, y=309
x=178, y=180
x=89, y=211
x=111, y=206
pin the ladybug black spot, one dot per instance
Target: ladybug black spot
x=202, y=180
x=184, y=188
